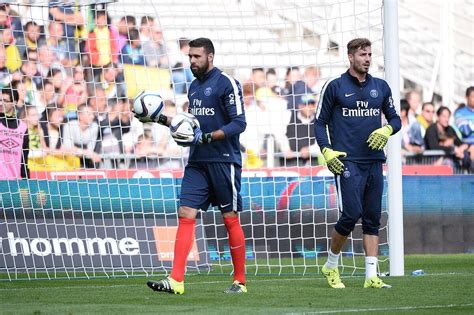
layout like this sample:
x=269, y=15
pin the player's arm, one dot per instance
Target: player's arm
x=379, y=137
x=323, y=116
x=233, y=103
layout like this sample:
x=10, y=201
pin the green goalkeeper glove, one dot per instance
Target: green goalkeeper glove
x=379, y=137
x=332, y=160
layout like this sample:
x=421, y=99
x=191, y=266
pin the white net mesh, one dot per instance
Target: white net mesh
x=103, y=188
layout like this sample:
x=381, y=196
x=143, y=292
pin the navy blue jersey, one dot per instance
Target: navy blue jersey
x=217, y=103
x=352, y=110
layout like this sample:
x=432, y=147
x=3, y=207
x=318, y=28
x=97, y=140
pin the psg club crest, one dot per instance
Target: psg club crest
x=374, y=93
x=207, y=91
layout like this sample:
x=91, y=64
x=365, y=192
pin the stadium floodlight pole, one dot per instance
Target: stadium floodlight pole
x=394, y=160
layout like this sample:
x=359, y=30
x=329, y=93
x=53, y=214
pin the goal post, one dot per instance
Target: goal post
x=394, y=162
x=107, y=206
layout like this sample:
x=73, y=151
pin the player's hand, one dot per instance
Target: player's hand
x=199, y=138
x=332, y=160
x=379, y=137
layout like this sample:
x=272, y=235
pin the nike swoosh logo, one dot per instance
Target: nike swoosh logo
x=346, y=95
x=223, y=206
x=235, y=247
x=192, y=93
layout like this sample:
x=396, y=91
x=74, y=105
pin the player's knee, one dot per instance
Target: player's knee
x=345, y=227
x=370, y=229
x=230, y=214
x=187, y=212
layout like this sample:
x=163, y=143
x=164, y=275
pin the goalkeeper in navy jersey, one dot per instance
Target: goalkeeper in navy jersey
x=213, y=173
x=351, y=108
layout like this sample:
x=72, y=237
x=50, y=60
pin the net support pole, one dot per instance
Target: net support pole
x=394, y=160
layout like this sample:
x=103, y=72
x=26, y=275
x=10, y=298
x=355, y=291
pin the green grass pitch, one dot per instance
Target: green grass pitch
x=447, y=287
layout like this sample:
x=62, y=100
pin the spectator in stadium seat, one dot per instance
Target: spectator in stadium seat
x=258, y=78
x=272, y=81
x=119, y=119
x=47, y=60
x=464, y=119
x=111, y=83
x=273, y=121
x=13, y=58
x=154, y=49
x=414, y=100
x=146, y=25
x=132, y=52
x=312, y=75
x=102, y=43
x=66, y=13
x=406, y=146
x=75, y=91
x=253, y=137
x=418, y=129
x=14, y=140
x=6, y=76
x=125, y=24
x=294, y=86
x=81, y=136
x=46, y=96
x=181, y=72
x=32, y=38
x=300, y=133
x=441, y=136
x=29, y=69
x=58, y=44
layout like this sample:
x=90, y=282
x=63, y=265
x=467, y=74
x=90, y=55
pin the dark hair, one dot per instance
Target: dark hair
x=12, y=92
x=133, y=34
x=357, y=43
x=30, y=23
x=271, y=71
x=289, y=69
x=129, y=19
x=469, y=90
x=203, y=42
x=183, y=42
x=145, y=19
x=442, y=109
x=259, y=69
x=426, y=104
x=100, y=13
x=404, y=106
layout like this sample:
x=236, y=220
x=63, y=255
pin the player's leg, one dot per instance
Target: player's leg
x=349, y=195
x=371, y=213
x=226, y=182
x=194, y=196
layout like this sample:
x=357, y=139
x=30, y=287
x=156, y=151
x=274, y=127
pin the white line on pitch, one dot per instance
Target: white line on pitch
x=378, y=309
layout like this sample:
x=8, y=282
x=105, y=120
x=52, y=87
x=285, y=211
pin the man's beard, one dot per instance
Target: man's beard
x=200, y=71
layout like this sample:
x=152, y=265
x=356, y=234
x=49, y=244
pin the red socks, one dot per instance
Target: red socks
x=182, y=247
x=237, y=247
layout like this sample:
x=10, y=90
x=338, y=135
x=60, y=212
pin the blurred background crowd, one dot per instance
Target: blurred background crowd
x=72, y=79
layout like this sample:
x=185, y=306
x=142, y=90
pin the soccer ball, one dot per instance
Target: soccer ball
x=148, y=104
x=182, y=127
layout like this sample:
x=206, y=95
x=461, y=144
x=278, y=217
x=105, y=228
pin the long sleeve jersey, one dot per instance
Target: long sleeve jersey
x=352, y=110
x=217, y=103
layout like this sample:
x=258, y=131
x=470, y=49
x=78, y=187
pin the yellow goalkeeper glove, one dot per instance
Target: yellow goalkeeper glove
x=379, y=137
x=332, y=160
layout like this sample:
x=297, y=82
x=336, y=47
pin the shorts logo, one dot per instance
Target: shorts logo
x=207, y=91
x=374, y=93
x=346, y=174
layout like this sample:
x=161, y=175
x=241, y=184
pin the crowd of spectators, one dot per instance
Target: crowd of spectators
x=73, y=96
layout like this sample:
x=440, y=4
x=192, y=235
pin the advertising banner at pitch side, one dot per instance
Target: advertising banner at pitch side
x=93, y=244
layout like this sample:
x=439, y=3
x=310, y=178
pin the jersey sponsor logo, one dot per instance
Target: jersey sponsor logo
x=199, y=110
x=362, y=110
x=374, y=93
x=207, y=91
x=348, y=94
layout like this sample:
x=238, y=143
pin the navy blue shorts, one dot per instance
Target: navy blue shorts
x=359, y=193
x=211, y=183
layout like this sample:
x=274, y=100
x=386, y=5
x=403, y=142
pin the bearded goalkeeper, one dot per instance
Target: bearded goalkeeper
x=351, y=108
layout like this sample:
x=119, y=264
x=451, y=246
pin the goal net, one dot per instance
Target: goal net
x=103, y=189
